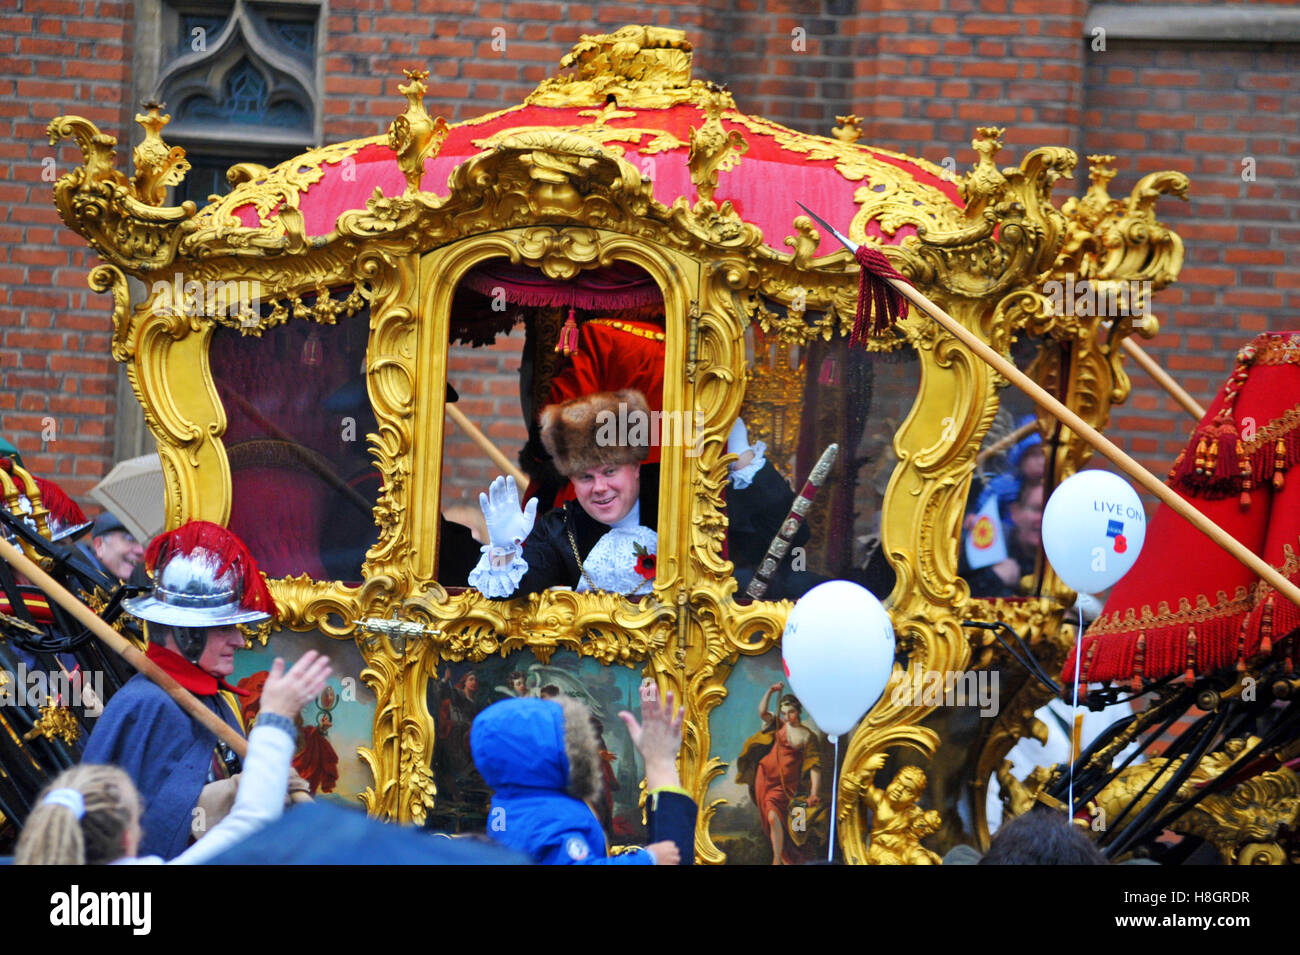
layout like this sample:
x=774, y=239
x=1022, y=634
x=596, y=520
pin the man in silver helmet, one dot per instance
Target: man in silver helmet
x=206, y=584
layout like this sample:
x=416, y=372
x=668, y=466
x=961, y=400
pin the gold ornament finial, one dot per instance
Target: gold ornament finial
x=713, y=148
x=55, y=722
x=157, y=165
x=985, y=181
x=414, y=136
x=850, y=128
x=644, y=67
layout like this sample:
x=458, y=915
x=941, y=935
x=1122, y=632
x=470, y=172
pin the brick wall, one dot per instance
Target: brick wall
x=487, y=380
x=57, y=379
x=922, y=74
x=1230, y=119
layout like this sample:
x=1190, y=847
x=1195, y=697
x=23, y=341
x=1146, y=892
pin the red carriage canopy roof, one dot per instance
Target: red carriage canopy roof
x=779, y=167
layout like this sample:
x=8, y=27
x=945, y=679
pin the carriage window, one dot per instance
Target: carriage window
x=799, y=401
x=520, y=341
x=1001, y=548
x=297, y=410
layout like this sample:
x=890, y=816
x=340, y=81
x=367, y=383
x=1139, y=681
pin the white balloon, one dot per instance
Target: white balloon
x=1094, y=526
x=838, y=652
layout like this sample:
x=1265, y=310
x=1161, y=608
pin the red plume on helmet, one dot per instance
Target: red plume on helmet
x=63, y=510
x=229, y=552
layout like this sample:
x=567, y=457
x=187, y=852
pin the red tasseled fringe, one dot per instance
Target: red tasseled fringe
x=880, y=305
x=1226, y=478
x=1220, y=642
x=62, y=508
x=229, y=551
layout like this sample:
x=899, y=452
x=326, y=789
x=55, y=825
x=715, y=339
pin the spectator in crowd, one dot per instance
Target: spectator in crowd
x=91, y=814
x=113, y=549
x=1042, y=836
x=1023, y=536
x=542, y=759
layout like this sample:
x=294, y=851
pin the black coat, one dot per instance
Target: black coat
x=755, y=514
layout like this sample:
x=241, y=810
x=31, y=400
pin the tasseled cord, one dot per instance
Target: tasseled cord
x=880, y=305
x=568, y=343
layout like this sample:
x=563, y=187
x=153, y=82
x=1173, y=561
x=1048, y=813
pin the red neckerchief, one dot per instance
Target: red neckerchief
x=188, y=675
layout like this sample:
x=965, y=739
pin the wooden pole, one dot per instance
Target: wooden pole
x=1101, y=444
x=484, y=442
x=125, y=649
x=1006, y=442
x=1162, y=378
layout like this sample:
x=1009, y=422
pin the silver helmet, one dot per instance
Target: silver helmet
x=193, y=590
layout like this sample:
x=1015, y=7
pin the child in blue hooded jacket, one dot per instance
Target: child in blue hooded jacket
x=542, y=760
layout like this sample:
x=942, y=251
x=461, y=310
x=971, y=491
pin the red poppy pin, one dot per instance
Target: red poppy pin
x=645, y=562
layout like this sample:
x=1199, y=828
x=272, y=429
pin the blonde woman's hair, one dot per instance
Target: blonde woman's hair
x=53, y=835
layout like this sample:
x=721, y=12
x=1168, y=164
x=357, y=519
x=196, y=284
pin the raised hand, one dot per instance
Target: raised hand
x=657, y=737
x=287, y=693
x=507, y=525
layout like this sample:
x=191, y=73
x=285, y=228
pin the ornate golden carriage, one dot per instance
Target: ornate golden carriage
x=358, y=249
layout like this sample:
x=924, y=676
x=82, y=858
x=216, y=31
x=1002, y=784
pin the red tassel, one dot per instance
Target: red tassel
x=1279, y=465
x=311, y=350
x=880, y=305
x=1266, y=626
x=1178, y=463
x=1190, y=676
x=226, y=547
x=568, y=343
x=63, y=509
x=1139, y=660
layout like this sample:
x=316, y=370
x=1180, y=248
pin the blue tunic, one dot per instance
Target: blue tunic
x=165, y=752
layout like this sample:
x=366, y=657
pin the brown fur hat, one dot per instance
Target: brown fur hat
x=582, y=748
x=572, y=431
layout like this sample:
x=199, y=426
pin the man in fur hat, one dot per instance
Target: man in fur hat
x=206, y=584
x=605, y=539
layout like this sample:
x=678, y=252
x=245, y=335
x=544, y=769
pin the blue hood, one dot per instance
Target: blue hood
x=520, y=743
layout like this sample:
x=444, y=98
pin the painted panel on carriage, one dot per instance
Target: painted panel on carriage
x=461, y=691
x=332, y=727
x=782, y=764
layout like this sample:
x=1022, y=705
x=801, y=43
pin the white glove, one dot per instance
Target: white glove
x=738, y=437
x=507, y=525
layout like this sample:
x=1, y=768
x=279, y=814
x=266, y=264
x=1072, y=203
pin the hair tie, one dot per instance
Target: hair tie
x=69, y=799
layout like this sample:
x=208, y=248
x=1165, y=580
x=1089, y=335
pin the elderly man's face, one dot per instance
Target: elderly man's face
x=119, y=552
x=608, y=493
x=218, y=658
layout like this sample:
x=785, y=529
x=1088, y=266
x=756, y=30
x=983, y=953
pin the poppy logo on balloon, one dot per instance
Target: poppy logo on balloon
x=1115, y=529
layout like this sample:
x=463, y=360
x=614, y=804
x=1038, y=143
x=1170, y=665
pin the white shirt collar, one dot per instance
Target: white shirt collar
x=632, y=518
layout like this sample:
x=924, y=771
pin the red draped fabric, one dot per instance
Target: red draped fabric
x=1187, y=605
